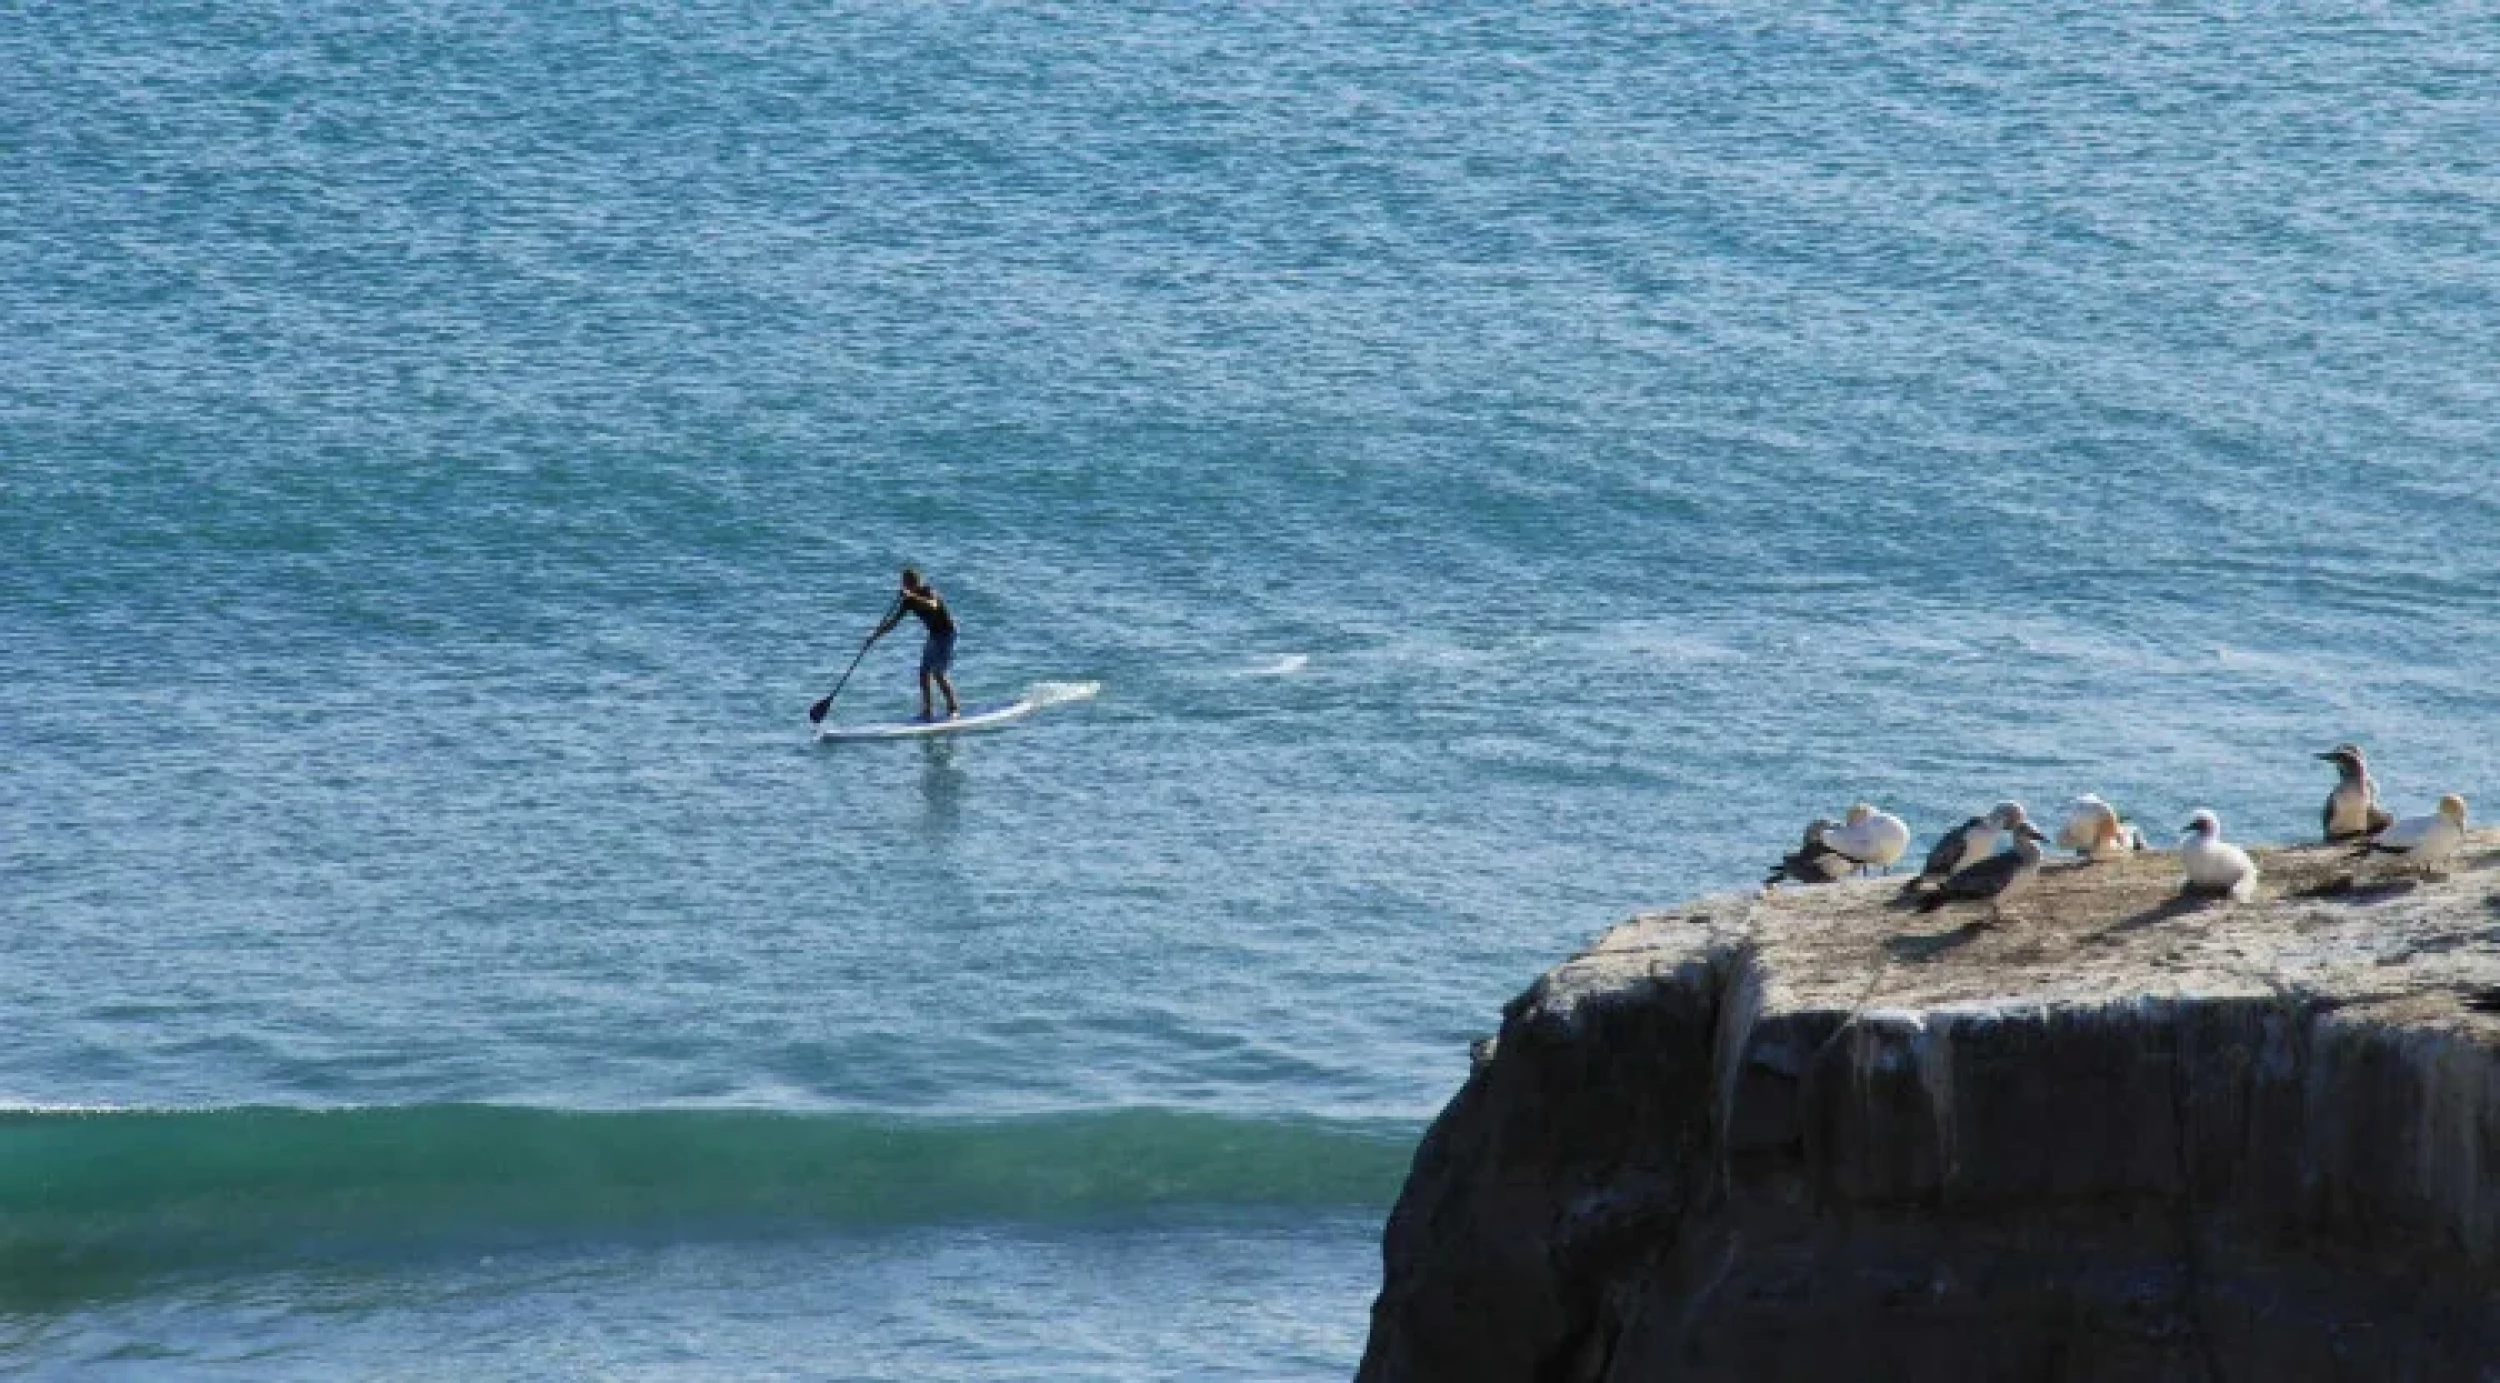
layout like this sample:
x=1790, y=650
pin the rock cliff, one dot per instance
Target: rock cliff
x=2110, y=1134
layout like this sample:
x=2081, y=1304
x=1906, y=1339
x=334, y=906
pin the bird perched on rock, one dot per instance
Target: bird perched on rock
x=2423, y=840
x=1965, y=845
x=2094, y=830
x=2212, y=866
x=1814, y=861
x=1994, y=879
x=1871, y=839
x=2352, y=809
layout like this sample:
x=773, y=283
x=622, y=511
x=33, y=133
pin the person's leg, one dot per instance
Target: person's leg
x=936, y=662
x=932, y=665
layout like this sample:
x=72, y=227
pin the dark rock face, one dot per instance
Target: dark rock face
x=2109, y=1139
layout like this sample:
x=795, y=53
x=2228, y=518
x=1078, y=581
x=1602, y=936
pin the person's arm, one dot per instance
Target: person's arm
x=902, y=604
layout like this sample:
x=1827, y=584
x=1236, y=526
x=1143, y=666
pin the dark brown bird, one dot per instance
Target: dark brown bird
x=1812, y=862
x=2352, y=809
x=1970, y=843
x=1994, y=879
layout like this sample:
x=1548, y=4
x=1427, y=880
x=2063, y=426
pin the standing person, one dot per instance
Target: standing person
x=937, y=656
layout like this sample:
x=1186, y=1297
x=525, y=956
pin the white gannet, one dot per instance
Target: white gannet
x=2094, y=830
x=1967, y=844
x=1994, y=879
x=1813, y=861
x=2424, y=840
x=1871, y=839
x=2352, y=809
x=2211, y=865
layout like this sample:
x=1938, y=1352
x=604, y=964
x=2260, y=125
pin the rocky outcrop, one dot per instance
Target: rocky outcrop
x=2110, y=1134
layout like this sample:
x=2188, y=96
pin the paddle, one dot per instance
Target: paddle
x=816, y=713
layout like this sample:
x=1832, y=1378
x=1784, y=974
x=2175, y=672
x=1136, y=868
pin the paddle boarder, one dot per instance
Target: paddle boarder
x=937, y=655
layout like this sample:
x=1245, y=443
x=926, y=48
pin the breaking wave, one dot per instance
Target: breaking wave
x=121, y=1192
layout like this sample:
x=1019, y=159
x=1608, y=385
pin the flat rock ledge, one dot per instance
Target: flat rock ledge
x=2115, y=1135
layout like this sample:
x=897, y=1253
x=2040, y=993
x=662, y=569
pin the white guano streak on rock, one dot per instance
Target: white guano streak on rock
x=1740, y=1003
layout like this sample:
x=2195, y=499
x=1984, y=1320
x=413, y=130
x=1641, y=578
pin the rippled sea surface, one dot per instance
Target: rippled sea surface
x=1502, y=468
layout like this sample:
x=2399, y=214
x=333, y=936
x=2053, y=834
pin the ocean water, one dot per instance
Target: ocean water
x=1496, y=469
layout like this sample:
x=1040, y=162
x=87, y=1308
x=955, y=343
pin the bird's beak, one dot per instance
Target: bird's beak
x=2187, y=828
x=2330, y=758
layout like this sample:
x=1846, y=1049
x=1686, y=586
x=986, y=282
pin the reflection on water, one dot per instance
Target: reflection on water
x=942, y=784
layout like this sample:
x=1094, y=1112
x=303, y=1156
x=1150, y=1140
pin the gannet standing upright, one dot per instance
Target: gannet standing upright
x=2093, y=830
x=2213, y=867
x=2424, y=840
x=1967, y=844
x=1813, y=861
x=1872, y=839
x=2352, y=809
x=1994, y=879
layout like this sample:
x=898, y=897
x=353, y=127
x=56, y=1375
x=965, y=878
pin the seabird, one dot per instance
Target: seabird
x=2424, y=840
x=2093, y=830
x=1871, y=839
x=1813, y=861
x=2211, y=865
x=1994, y=879
x=2352, y=809
x=1967, y=844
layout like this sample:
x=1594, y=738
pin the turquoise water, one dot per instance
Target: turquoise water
x=1503, y=470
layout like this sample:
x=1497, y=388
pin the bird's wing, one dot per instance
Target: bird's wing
x=1985, y=879
x=1812, y=862
x=2402, y=838
x=1947, y=856
x=1851, y=843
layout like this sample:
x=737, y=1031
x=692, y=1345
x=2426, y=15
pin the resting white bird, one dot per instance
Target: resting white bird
x=2424, y=839
x=2093, y=829
x=1873, y=839
x=2214, y=867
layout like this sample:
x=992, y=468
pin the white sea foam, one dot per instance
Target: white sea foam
x=1052, y=693
x=1283, y=665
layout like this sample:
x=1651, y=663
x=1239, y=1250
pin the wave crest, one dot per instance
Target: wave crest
x=124, y=1193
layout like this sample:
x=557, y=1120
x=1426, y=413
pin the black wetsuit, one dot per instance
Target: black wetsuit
x=935, y=615
x=937, y=656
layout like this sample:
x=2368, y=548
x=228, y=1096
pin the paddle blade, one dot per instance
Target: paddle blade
x=816, y=713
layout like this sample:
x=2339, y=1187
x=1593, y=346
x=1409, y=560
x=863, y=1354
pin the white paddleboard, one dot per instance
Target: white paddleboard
x=971, y=721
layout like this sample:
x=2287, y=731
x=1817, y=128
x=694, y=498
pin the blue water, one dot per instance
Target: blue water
x=1503, y=470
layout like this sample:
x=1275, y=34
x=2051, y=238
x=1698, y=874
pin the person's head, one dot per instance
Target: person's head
x=911, y=578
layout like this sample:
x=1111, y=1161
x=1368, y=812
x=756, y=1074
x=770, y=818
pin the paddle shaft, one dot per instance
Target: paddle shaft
x=816, y=713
